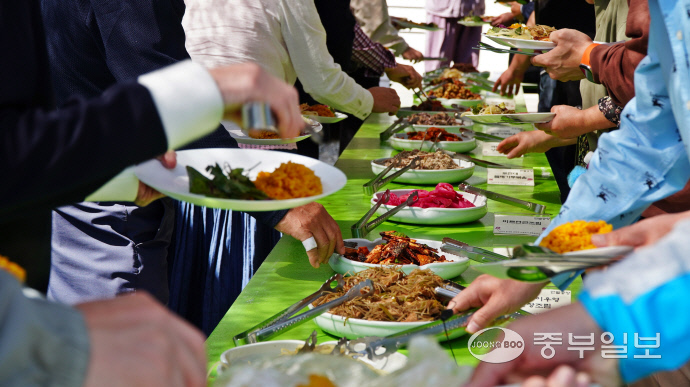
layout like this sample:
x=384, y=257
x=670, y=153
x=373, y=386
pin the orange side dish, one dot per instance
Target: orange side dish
x=317, y=110
x=289, y=181
x=574, y=236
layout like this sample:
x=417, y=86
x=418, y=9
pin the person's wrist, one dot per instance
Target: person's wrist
x=585, y=65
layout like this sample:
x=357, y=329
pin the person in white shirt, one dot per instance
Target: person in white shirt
x=288, y=40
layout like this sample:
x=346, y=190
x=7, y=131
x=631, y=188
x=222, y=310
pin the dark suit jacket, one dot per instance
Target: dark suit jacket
x=52, y=158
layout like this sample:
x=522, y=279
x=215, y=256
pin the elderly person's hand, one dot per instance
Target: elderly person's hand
x=531, y=366
x=534, y=141
x=563, y=62
x=405, y=75
x=386, y=100
x=412, y=55
x=312, y=222
x=145, y=194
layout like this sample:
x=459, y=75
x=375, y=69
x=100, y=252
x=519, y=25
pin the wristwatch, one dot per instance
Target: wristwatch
x=584, y=63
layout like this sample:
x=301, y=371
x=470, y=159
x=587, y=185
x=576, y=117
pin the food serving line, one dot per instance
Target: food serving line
x=286, y=276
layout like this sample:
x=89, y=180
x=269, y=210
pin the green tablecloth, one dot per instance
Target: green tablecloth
x=286, y=276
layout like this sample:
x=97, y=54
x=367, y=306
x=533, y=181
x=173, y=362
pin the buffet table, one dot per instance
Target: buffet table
x=286, y=276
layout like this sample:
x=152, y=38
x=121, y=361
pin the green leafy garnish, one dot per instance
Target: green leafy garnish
x=232, y=184
x=476, y=109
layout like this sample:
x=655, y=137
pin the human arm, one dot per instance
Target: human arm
x=643, y=233
x=533, y=141
x=405, y=75
x=571, y=122
x=509, y=82
x=321, y=77
x=563, y=62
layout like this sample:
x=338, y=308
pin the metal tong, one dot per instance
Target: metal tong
x=482, y=163
x=476, y=254
x=481, y=136
x=399, y=124
x=362, y=228
x=258, y=116
x=376, y=347
x=534, y=207
x=283, y=320
x=379, y=181
x=488, y=47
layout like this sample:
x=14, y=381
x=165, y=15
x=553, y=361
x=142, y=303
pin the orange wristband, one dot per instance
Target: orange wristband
x=588, y=51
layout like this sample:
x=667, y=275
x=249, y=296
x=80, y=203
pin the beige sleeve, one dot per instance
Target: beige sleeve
x=321, y=77
x=373, y=17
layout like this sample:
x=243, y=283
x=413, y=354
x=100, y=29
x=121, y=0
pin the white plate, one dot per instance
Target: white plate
x=355, y=328
x=175, y=182
x=516, y=118
x=609, y=251
x=539, y=45
x=429, y=176
x=436, y=216
x=328, y=120
x=445, y=270
x=246, y=353
x=243, y=138
x=399, y=141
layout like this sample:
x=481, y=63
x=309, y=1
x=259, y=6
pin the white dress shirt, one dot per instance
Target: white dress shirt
x=285, y=37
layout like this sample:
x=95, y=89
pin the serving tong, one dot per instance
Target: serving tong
x=488, y=47
x=482, y=163
x=258, y=116
x=399, y=124
x=380, y=180
x=534, y=207
x=476, y=254
x=284, y=319
x=364, y=227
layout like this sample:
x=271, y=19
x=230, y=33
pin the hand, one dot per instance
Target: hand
x=516, y=10
x=135, y=341
x=313, y=220
x=248, y=82
x=495, y=297
x=405, y=75
x=505, y=19
x=571, y=122
x=145, y=194
x=412, y=55
x=643, y=233
x=563, y=62
x=509, y=81
x=386, y=100
x=534, y=141
x=568, y=319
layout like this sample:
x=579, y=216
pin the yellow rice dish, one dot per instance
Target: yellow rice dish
x=574, y=236
x=289, y=181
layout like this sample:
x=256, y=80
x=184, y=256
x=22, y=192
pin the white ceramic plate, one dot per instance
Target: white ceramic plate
x=328, y=120
x=243, y=138
x=429, y=176
x=355, y=328
x=435, y=216
x=445, y=270
x=399, y=141
x=246, y=353
x=526, y=44
x=175, y=182
x=501, y=269
x=516, y=118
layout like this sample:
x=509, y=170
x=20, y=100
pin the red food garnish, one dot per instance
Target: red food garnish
x=443, y=196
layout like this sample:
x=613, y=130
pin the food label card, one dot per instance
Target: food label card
x=510, y=176
x=489, y=149
x=548, y=299
x=520, y=224
x=502, y=131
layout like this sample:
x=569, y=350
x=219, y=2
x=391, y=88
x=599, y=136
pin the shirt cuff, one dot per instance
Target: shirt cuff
x=121, y=188
x=188, y=101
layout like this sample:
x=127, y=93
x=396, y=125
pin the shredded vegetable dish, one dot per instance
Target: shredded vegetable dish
x=398, y=249
x=443, y=196
x=428, y=161
x=434, y=135
x=397, y=297
x=489, y=109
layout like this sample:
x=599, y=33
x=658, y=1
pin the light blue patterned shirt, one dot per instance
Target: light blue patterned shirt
x=646, y=160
